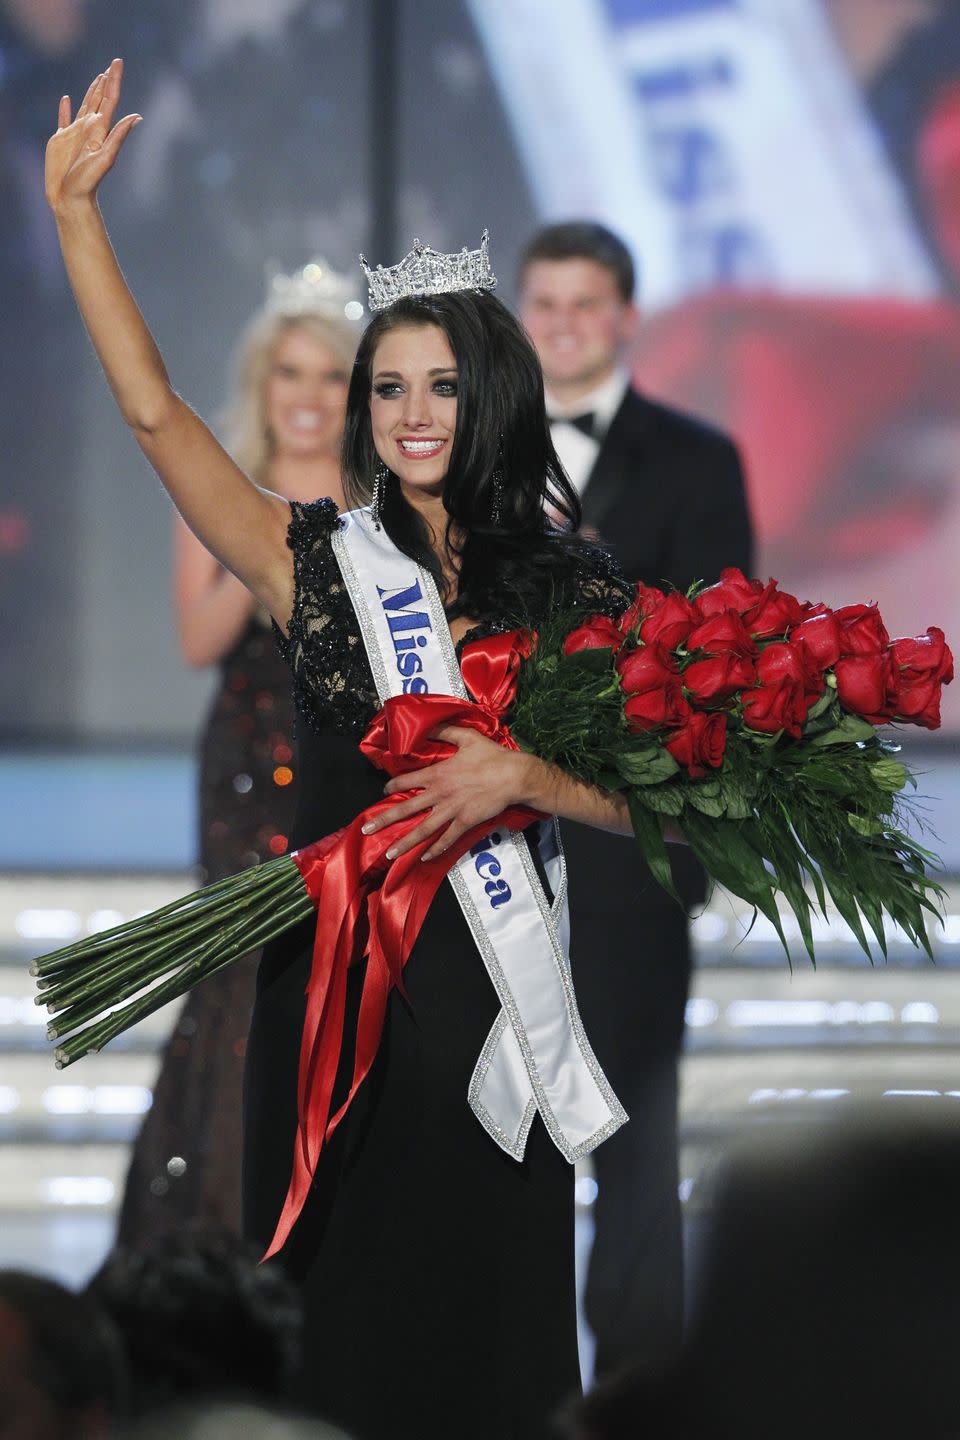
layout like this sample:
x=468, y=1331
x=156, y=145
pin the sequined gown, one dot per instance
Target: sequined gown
x=186, y=1160
x=438, y=1272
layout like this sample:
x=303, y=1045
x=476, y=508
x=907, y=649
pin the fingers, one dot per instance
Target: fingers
x=421, y=832
x=452, y=734
x=91, y=100
x=452, y=833
x=402, y=811
x=110, y=95
x=63, y=113
x=105, y=147
x=416, y=780
x=119, y=133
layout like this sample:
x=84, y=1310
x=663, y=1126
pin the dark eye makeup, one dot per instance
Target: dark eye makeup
x=388, y=388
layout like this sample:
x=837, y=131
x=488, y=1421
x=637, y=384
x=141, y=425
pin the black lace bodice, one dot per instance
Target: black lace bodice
x=332, y=682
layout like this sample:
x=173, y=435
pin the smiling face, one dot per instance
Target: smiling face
x=577, y=318
x=413, y=405
x=306, y=395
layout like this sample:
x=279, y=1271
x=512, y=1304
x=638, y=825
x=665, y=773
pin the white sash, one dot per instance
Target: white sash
x=536, y=1056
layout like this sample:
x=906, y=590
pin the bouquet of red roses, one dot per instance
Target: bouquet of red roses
x=734, y=711
x=750, y=720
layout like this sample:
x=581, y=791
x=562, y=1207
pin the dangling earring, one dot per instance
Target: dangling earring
x=497, y=496
x=497, y=483
x=379, y=482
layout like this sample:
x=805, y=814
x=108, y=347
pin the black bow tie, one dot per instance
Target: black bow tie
x=583, y=423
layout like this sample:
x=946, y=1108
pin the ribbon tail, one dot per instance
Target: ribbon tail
x=377, y=985
x=319, y=1057
x=396, y=913
x=337, y=890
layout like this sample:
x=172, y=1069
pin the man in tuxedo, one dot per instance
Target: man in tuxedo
x=665, y=493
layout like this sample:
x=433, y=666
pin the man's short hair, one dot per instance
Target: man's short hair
x=583, y=240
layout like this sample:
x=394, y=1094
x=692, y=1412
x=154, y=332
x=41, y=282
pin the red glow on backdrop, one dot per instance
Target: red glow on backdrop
x=14, y=531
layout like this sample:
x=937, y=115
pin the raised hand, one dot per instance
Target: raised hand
x=85, y=148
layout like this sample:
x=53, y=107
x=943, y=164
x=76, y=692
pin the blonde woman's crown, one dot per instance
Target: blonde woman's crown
x=425, y=271
x=316, y=289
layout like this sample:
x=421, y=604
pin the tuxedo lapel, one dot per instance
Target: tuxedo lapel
x=617, y=460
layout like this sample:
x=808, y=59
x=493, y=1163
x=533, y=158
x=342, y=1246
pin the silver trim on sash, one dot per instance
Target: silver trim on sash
x=508, y=1084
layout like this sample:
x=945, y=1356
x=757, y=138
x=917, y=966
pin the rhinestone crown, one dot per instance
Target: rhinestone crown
x=427, y=272
x=317, y=289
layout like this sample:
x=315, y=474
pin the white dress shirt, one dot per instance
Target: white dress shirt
x=578, y=452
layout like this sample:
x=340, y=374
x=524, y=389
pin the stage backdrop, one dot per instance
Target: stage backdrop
x=787, y=173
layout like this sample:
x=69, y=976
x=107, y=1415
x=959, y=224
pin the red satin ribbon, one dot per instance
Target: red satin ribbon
x=368, y=905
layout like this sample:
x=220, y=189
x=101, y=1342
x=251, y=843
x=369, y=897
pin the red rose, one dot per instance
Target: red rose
x=818, y=640
x=727, y=662
x=785, y=691
x=862, y=632
x=647, y=598
x=925, y=665
x=869, y=685
x=929, y=652
x=773, y=614
x=718, y=677
x=650, y=677
x=722, y=634
x=645, y=668
x=652, y=708
x=597, y=633
x=699, y=741
x=670, y=622
x=733, y=591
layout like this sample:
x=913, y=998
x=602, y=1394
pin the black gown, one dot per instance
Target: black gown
x=438, y=1272
x=185, y=1162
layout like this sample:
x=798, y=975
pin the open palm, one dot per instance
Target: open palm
x=82, y=150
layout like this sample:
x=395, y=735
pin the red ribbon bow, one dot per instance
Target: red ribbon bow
x=369, y=905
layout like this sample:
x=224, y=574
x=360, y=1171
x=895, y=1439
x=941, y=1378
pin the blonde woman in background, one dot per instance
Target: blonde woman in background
x=283, y=425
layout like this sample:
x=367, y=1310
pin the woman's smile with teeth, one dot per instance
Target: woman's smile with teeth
x=422, y=447
x=305, y=419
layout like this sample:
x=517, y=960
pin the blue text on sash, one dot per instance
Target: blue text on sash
x=488, y=868
x=404, y=620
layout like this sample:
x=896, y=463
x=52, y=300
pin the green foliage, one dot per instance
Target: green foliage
x=849, y=728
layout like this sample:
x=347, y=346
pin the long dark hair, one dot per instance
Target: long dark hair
x=501, y=430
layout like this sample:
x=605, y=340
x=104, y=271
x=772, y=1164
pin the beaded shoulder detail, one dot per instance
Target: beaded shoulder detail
x=332, y=683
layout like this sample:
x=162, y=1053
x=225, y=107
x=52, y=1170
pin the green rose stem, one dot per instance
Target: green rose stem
x=236, y=942
x=86, y=1001
x=101, y=972
x=192, y=937
x=176, y=913
x=145, y=973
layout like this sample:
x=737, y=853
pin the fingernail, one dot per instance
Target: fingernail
x=425, y=858
x=367, y=829
x=391, y=854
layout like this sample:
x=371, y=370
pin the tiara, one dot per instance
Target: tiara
x=317, y=289
x=427, y=272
